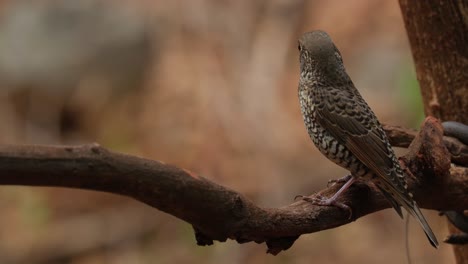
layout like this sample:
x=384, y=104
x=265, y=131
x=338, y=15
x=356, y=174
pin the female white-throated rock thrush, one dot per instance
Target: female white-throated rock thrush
x=345, y=129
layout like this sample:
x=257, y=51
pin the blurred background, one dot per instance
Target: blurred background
x=207, y=85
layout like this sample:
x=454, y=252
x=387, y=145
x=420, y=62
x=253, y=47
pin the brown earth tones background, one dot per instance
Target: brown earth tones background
x=207, y=85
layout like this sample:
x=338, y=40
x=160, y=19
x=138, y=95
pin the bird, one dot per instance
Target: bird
x=345, y=129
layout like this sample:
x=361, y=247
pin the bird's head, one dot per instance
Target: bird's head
x=319, y=56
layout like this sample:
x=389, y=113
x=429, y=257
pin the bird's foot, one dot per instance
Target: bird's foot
x=333, y=201
x=343, y=180
x=323, y=201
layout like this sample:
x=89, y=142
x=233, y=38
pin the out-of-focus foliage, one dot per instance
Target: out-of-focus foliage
x=410, y=98
x=207, y=85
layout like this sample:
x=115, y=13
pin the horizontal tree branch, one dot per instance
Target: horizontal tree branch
x=218, y=213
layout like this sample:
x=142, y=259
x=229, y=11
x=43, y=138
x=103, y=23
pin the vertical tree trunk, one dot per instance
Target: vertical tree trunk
x=438, y=34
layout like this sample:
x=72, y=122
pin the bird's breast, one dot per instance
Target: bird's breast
x=329, y=146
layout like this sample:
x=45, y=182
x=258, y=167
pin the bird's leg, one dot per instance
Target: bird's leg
x=332, y=201
x=340, y=180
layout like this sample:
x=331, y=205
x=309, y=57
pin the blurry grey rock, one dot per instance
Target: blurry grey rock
x=49, y=49
x=57, y=43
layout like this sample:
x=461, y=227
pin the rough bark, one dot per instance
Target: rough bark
x=218, y=213
x=438, y=34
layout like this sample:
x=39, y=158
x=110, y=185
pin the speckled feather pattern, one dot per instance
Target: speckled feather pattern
x=344, y=100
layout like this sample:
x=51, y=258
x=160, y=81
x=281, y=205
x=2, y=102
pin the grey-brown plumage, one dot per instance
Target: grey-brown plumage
x=345, y=129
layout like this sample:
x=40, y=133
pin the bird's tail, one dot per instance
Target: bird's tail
x=416, y=213
x=403, y=197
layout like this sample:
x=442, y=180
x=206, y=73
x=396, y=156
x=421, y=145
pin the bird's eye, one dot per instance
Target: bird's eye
x=299, y=47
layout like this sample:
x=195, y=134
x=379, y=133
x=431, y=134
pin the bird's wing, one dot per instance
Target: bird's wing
x=348, y=118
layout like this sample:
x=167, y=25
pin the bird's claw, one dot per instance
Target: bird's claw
x=323, y=201
x=299, y=196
